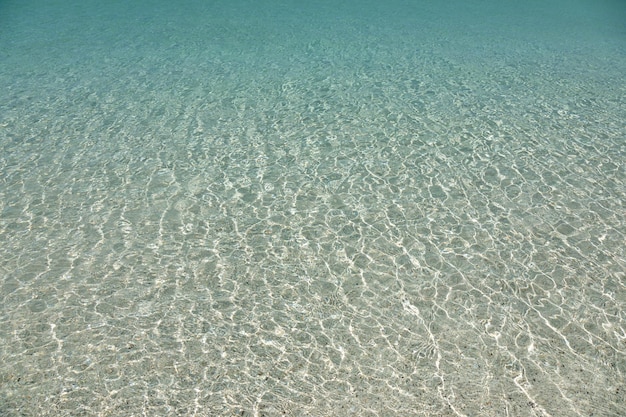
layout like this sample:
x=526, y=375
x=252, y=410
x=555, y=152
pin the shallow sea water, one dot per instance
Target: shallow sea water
x=267, y=208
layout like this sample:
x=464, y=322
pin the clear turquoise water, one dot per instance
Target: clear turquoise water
x=342, y=208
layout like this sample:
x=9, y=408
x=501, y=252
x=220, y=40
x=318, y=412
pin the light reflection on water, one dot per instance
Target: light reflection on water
x=310, y=227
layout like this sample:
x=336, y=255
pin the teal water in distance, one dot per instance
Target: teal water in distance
x=326, y=208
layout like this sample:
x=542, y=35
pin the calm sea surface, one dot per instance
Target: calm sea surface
x=323, y=208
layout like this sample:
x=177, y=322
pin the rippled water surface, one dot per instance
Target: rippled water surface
x=213, y=208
